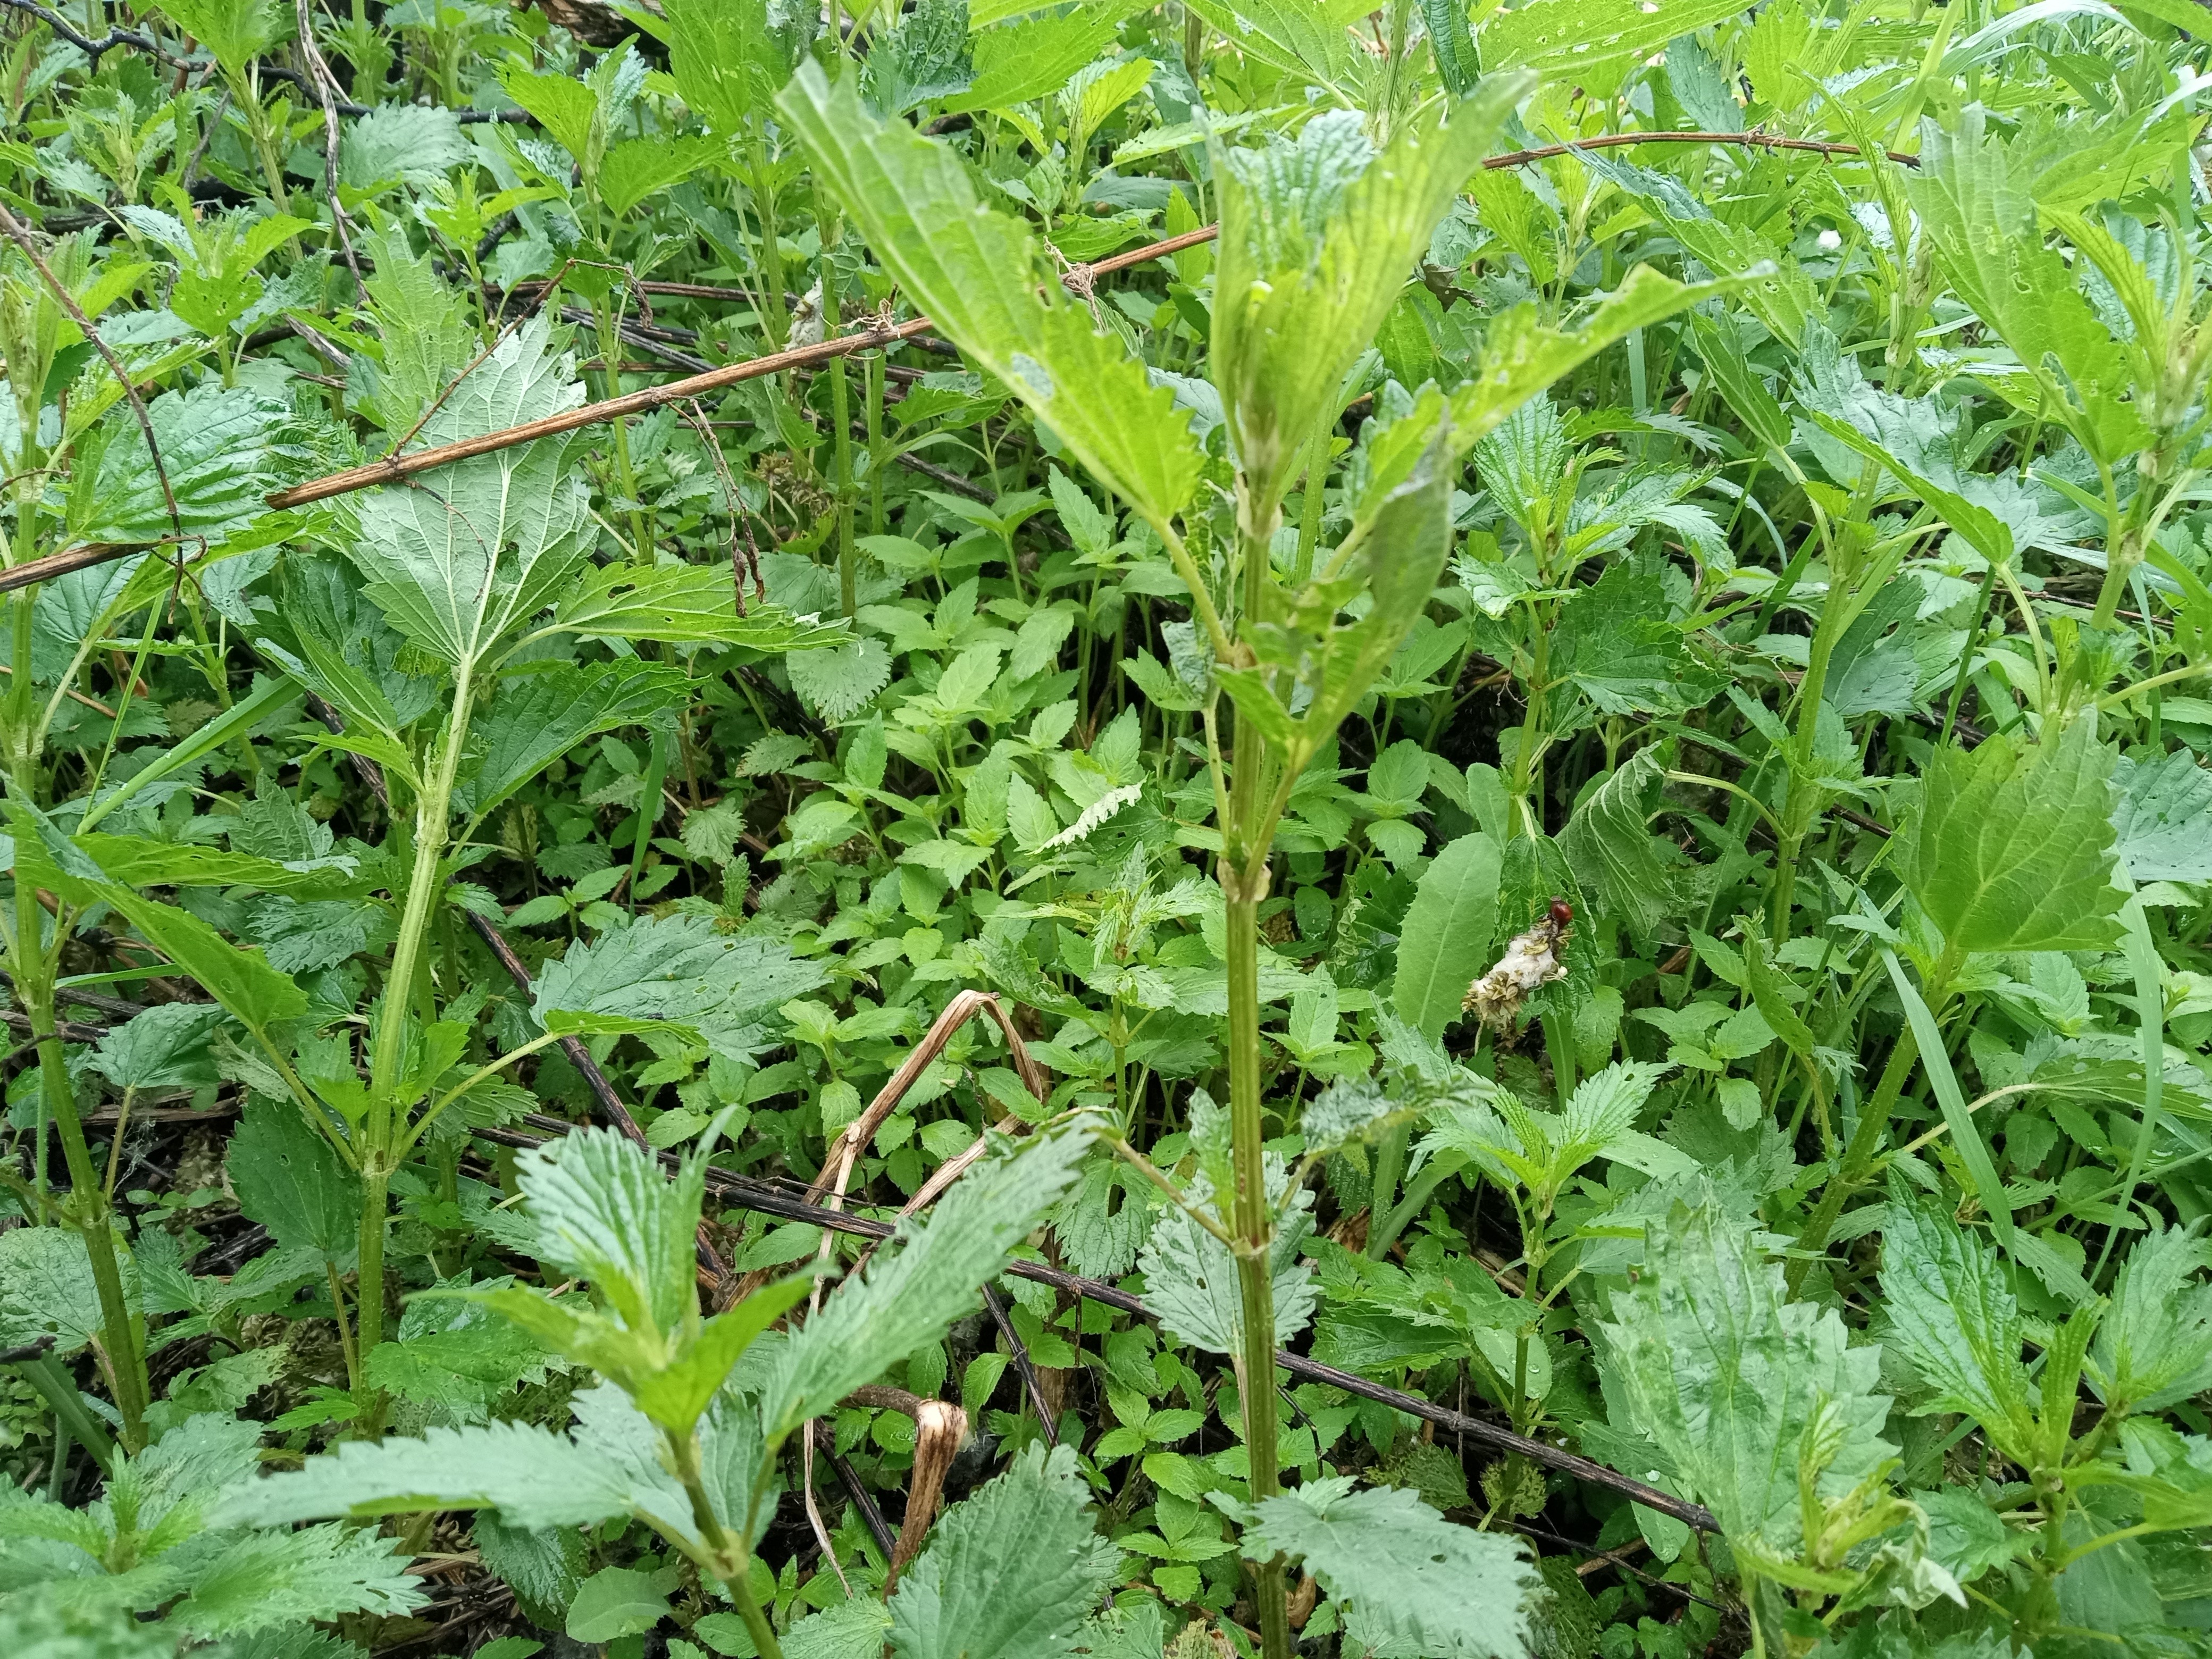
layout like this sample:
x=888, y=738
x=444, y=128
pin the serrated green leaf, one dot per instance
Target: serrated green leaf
x=1011, y=1571
x=2013, y=851
x=289, y=1178
x=536, y=718
x=1414, y=1579
x=933, y=1280
x=1957, y=1320
x=977, y=273
x=1728, y=1377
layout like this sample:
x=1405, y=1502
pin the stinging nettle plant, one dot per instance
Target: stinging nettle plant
x=1315, y=236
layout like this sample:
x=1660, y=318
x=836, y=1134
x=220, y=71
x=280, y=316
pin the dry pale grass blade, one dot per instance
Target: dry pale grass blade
x=939, y=1429
x=845, y=1151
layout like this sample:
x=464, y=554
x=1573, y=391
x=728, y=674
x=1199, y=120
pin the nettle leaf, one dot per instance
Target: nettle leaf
x=290, y=1180
x=533, y=1476
x=1582, y=41
x=605, y=1212
x=269, y=1580
x=1414, y=1582
x=1610, y=848
x=1977, y=205
x=1012, y=1571
x=840, y=681
x=2012, y=851
x=2163, y=818
x=675, y=974
x=1728, y=1377
x=216, y=448
x=933, y=1278
x=1957, y=1320
x=1444, y=946
x=1614, y=643
x=684, y=603
x=977, y=273
x=166, y=1046
x=536, y=718
x=1190, y=1278
x=464, y=555
x=1317, y=238
x=2155, y=1347
x=47, y=1288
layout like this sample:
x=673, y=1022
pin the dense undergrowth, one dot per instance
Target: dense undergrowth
x=1555, y=763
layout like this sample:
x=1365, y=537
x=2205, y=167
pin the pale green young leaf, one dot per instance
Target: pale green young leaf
x=533, y=1477
x=1957, y=1320
x=978, y=272
x=1317, y=238
x=1415, y=1583
x=1011, y=1571
x=605, y=1212
x=1034, y=58
x=1727, y=1376
x=565, y=107
x=2163, y=818
x=1977, y=205
x=462, y=556
x=1444, y=946
x=2155, y=1347
x=2013, y=851
x=934, y=1277
x=1585, y=40
x=729, y=57
x=264, y=1581
x=639, y=169
x=1304, y=40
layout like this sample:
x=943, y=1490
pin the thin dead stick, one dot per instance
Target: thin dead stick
x=397, y=469
x=745, y=1193
x=848, y=1478
x=325, y=87
x=20, y=236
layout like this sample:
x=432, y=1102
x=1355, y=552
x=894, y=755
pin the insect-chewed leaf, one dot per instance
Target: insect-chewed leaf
x=2163, y=818
x=1414, y=1582
x=1010, y=1572
x=289, y=1178
x=47, y=1288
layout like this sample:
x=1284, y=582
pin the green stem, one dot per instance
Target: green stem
x=1244, y=874
x=1309, y=511
x=1805, y=794
x=1858, y=1161
x=728, y=1558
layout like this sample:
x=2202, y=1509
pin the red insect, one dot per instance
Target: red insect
x=1562, y=914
